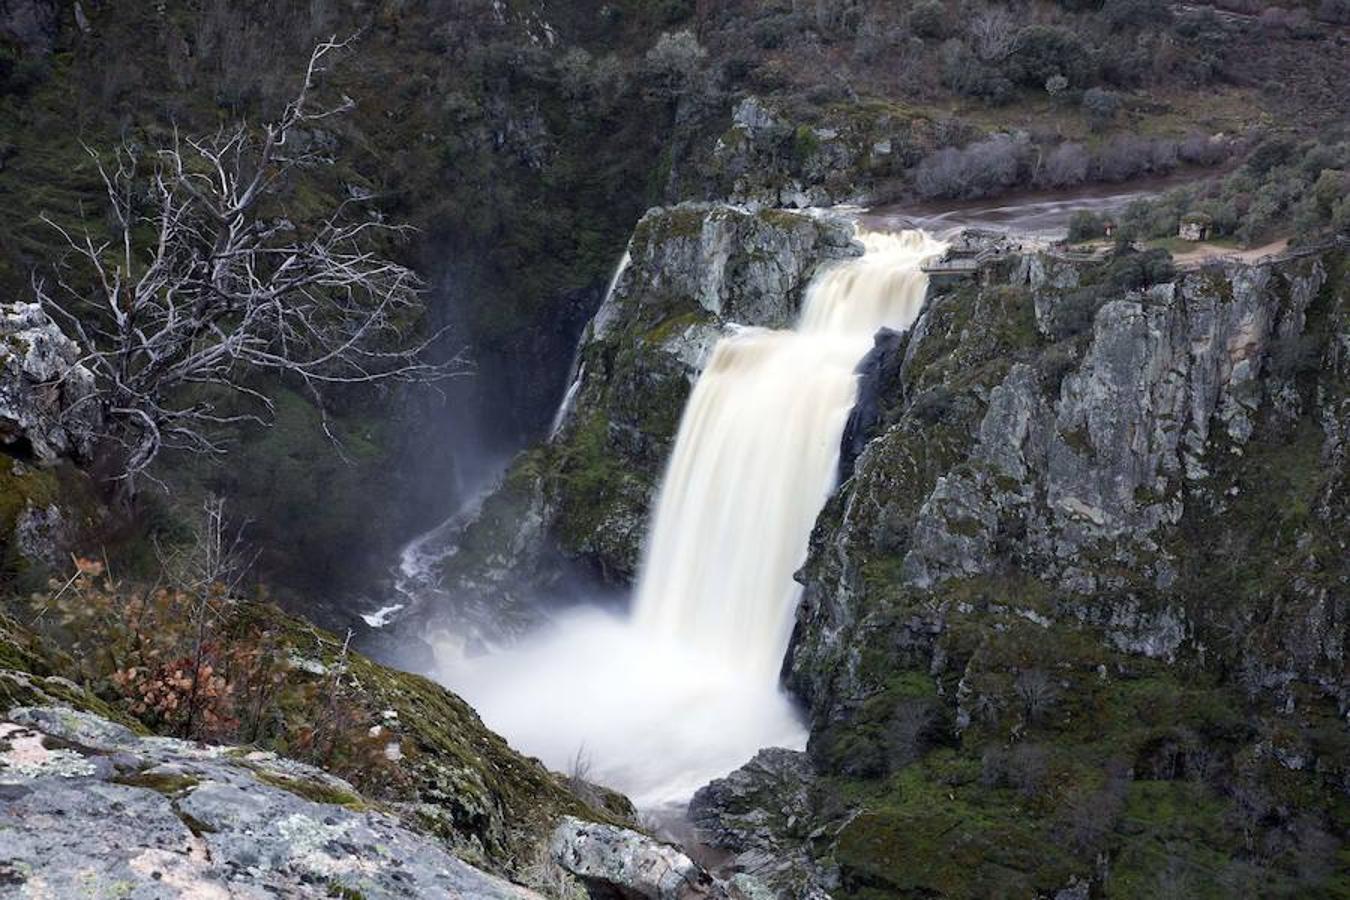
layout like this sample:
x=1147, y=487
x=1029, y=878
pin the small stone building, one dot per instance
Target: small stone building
x=1195, y=226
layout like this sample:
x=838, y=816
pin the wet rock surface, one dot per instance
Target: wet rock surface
x=85, y=801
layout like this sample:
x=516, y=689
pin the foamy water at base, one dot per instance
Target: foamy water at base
x=657, y=719
x=686, y=690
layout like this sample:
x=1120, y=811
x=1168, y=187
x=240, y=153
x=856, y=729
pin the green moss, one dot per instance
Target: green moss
x=965, y=527
x=339, y=891
x=805, y=144
x=589, y=476
x=195, y=825
x=927, y=837
x=312, y=790
x=22, y=485
x=163, y=783
x=672, y=326
x=678, y=222
x=479, y=786
x=1079, y=441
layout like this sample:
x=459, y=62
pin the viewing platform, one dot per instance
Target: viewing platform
x=968, y=252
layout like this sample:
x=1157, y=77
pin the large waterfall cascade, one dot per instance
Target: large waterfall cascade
x=755, y=459
x=685, y=689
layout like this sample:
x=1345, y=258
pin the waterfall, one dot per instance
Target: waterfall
x=755, y=460
x=686, y=688
x=578, y=369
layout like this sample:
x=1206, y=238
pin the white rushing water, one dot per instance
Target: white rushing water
x=686, y=688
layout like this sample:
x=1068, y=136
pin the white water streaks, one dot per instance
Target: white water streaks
x=756, y=456
x=578, y=369
x=685, y=689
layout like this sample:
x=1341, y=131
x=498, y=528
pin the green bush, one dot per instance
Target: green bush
x=928, y=19
x=1100, y=107
x=1044, y=51
x=1086, y=225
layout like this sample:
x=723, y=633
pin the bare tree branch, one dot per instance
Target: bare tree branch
x=198, y=286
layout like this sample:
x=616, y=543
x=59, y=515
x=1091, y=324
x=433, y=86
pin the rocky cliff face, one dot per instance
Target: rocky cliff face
x=852, y=153
x=46, y=408
x=47, y=418
x=1091, y=562
x=1084, y=461
x=580, y=502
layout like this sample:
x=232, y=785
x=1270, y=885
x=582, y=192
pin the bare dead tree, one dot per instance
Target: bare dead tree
x=227, y=288
x=1037, y=692
x=994, y=34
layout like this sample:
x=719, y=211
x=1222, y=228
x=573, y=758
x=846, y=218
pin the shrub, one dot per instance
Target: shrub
x=1067, y=165
x=673, y=65
x=193, y=660
x=1037, y=693
x=910, y=731
x=1203, y=150
x=993, y=35
x=1163, y=155
x=1268, y=154
x=1123, y=157
x=938, y=404
x=1090, y=816
x=163, y=652
x=1028, y=766
x=1100, y=107
x=976, y=170
x=1130, y=271
x=928, y=19
x=1044, y=51
x=1086, y=225
x=776, y=29
x=1075, y=312
x=963, y=73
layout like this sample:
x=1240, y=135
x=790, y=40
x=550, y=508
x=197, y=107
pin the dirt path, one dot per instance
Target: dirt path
x=1205, y=252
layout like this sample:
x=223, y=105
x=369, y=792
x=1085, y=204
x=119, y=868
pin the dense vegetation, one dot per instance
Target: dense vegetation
x=1295, y=189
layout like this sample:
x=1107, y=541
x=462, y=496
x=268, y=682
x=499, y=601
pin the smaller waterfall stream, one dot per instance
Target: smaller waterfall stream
x=686, y=688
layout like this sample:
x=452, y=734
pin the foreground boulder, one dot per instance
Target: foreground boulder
x=84, y=800
x=417, y=751
x=621, y=864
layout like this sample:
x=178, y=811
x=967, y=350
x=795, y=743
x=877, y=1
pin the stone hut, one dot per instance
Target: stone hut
x=1195, y=226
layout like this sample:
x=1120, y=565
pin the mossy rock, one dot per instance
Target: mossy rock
x=464, y=777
